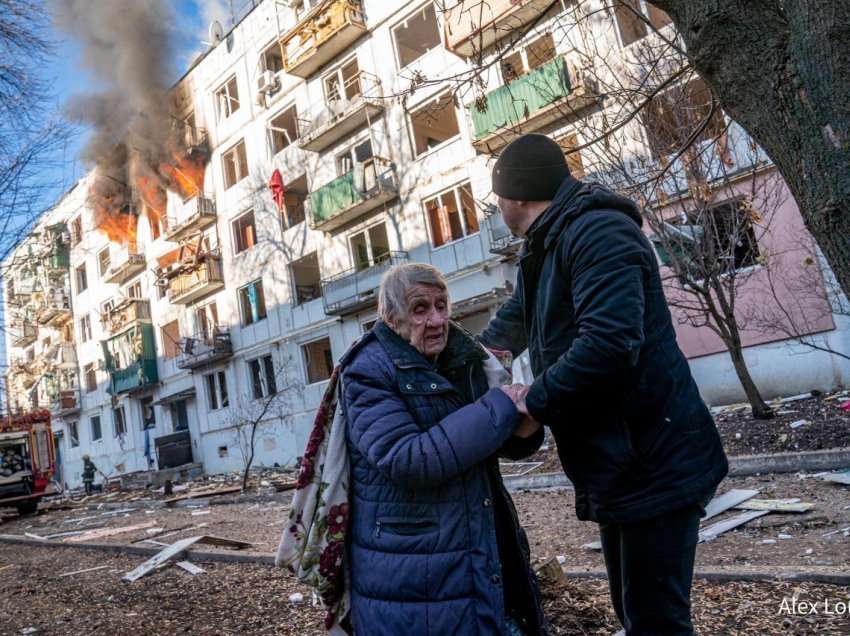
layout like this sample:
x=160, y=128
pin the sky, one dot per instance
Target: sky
x=191, y=23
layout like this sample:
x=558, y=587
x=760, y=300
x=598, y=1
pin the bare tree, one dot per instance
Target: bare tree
x=30, y=134
x=778, y=68
x=271, y=398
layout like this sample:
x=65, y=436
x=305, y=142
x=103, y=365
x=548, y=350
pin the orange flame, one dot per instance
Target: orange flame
x=120, y=227
x=184, y=174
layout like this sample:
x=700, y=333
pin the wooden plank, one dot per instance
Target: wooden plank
x=227, y=543
x=194, y=494
x=727, y=500
x=716, y=529
x=99, y=567
x=6, y=567
x=839, y=478
x=35, y=536
x=776, y=505
x=101, y=533
x=160, y=558
x=191, y=568
x=179, y=530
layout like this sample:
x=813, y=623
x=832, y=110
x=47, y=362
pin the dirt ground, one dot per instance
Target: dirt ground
x=547, y=516
x=253, y=599
x=826, y=426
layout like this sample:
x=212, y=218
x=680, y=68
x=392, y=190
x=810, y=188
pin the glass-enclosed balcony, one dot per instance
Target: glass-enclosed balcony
x=470, y=29
x=131, y=359
x=54, y=308
x=322, y=35
x=23, y=333
x=128, y=265
x=205, y=348
x=191, y=284
x=125, y=314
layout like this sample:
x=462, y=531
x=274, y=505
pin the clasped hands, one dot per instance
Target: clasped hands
x=527, y=425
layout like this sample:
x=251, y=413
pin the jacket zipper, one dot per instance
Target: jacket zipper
x=377, y=529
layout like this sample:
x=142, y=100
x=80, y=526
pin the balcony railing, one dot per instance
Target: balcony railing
x=55, y=309
x=345, y=198
x=359, y=101
x=131, y=359
x=125, y=314
x=471, y=30
x=196, y=214
x=66, y=402
x=353, y=290
x=502, y=242
x=205, y=348
x=23, y=334
x=321, y=36
x=124, y=270
x=190, y=285
x=527, y=104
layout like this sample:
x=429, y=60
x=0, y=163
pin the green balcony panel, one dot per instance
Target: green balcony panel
x=60, y=257
x=331, y=199
x=139, y=373
x=510, y=104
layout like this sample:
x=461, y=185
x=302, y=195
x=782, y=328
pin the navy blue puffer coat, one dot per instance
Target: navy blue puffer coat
x=434, y=544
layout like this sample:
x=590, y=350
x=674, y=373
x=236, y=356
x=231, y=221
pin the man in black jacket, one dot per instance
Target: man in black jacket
x=633, y=434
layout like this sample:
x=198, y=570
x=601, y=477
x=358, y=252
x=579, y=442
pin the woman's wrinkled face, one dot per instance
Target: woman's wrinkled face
x=426, y=325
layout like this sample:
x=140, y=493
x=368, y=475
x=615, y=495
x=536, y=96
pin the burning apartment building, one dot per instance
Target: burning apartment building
x=227, y=245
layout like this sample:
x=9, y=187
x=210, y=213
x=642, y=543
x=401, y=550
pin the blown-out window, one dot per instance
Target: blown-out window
x=451, y=215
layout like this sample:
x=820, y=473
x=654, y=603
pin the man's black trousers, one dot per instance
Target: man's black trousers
x=650, y=567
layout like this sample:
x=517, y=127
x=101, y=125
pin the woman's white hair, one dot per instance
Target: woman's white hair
x=398, y=281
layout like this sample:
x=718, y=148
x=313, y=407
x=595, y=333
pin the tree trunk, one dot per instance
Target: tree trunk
x=782, y=70
x=761, y=411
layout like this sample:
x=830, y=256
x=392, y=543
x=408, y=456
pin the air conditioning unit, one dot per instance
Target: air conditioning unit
x=267, y=83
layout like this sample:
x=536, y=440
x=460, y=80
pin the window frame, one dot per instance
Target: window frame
x=93, y=368
x=234, y=149
x=403, y=22
x=224, y=91
x=272, y=129
x=646, y=22
x=366, y=232
x=455, y=189
x=92, y=428
x=421, y=106
x=101, y=270
x=85, y=328
x=238, y=248
x=215, y=385
x=74, y=434
x=264, y=382
x=122, y=419
x=295, y=299
x=261, y=303
x=81, y=278
x=306, y=361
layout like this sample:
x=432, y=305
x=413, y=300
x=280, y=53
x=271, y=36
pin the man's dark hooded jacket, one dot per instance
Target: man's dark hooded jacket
x=633, y=434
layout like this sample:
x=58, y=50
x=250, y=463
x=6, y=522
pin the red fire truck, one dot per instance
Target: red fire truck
x=27, y=460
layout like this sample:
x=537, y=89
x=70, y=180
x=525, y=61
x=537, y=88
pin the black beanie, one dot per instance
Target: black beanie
x=530, y=168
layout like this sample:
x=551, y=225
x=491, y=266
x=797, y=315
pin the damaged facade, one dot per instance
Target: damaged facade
x=253, y=260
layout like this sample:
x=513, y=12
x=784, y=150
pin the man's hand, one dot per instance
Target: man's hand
x=517, y=393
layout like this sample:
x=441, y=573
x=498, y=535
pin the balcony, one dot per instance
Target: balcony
x=337, y=119
x=23, y=334
x=122, y=271
x=473, y=27
x=196, y=215
x=190, y=284
x=321, y=36
x=353, y=194
x=502, y=242
x=54, y=310
x=66, y=402
x=131, y=360
x=127, y=313
x=527, y=104
x=205, y=348
x=354, y=290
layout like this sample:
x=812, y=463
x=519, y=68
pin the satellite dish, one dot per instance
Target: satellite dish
x=216, y=32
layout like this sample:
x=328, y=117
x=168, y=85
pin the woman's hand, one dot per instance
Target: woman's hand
x=517, y=393
x=527, y=427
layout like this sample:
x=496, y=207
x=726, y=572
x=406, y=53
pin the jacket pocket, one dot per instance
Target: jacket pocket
x=405, y=526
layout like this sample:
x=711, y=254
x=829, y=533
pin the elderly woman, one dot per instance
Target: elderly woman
x=434, y=545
